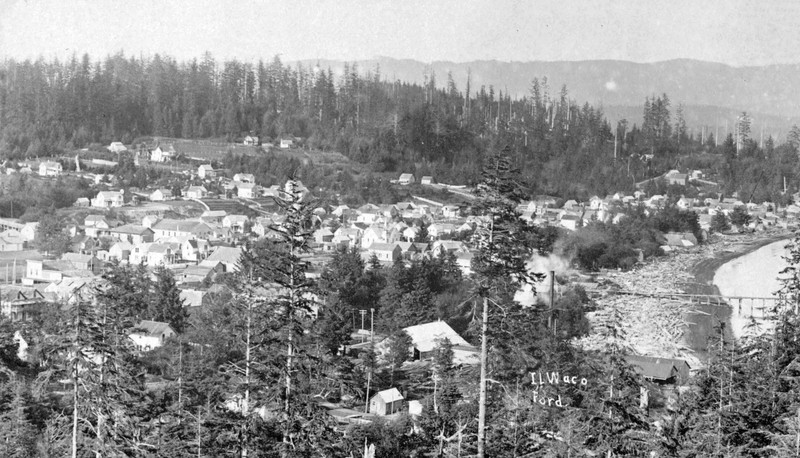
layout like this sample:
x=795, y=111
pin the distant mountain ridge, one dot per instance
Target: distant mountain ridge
x=770, y=94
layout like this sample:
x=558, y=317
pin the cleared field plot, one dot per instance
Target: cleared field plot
x=316, y=156
x=231, y=207
x=213, y=152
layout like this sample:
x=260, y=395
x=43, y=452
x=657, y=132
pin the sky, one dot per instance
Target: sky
x=735, y=32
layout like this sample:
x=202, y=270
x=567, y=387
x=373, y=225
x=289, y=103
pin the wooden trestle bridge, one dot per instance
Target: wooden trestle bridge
x=742, y=305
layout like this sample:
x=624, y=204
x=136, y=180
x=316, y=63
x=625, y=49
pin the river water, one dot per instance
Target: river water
x=755, y=274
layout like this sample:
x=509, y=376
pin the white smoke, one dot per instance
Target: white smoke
x=543, y=265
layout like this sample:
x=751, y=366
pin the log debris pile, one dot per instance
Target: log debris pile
x=653, y=326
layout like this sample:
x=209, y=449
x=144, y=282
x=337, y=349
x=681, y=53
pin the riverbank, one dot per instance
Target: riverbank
x=656, y=326
x=706, y=319
x=725, y=250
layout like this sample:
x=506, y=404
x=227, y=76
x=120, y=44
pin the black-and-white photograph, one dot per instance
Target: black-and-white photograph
x=390, y=229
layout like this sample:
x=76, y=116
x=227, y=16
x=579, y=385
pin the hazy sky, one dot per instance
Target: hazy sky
x=737, y=32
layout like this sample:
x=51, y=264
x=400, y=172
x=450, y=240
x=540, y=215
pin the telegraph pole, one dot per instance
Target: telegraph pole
x=363, y=314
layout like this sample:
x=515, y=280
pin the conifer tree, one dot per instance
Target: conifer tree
x=277, y=303
x=167, y=305
x=17, y=433
x=504, y=249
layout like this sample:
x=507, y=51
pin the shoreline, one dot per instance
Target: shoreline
x=705, y=318
x=703, y=271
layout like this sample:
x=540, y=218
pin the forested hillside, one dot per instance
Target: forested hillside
x=770, y=91
x=563, y=148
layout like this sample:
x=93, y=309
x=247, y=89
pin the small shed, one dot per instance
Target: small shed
x=386, y=402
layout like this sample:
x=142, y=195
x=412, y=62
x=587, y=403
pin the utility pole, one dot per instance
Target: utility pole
x=363, y=314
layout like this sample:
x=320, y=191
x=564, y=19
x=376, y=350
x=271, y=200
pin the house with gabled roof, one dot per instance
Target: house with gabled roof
x=408, y=250
x=133, y=234
x=16, y=301
x=352, y=233
x=82, y=243
x=121, y=251
x=684, y=203
x=206, y=171
x=410, y=233
x=116, y=147
x=50, y=169
x=386, y=402
x=108, y=199
x=596, y=203
x=674, y=177
x=213, y=216
x=368, y=213
x=570, y=221
x=425, y=337
x=342, y=211
x=374, y=234
x=163, y=153
x=406, y=179
x=83, y=262
x=385, y=252
x=228, y=256
x=188, y=228
x=451, y=211
x=262, y=226
x=196, y=192
x=194, y=250
x=438, y=230
x=246, y=190
x=447, y=246
x=161, y=195
x=148, y=335
x=197, y=273
x=162, y=254
x=11, y=240
x=235, y=222
x=661, y=370
x=323, y=235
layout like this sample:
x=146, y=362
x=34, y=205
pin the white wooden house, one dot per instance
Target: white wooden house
x=386, y=402
x=108, y=199
x=148, y=335
x=205, y=171
x=406, y=179
x=196, y=192
x=162, y=154
x=160, y=195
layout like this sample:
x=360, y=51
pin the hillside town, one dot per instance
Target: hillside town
x=518, y=230
x=199, y=236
